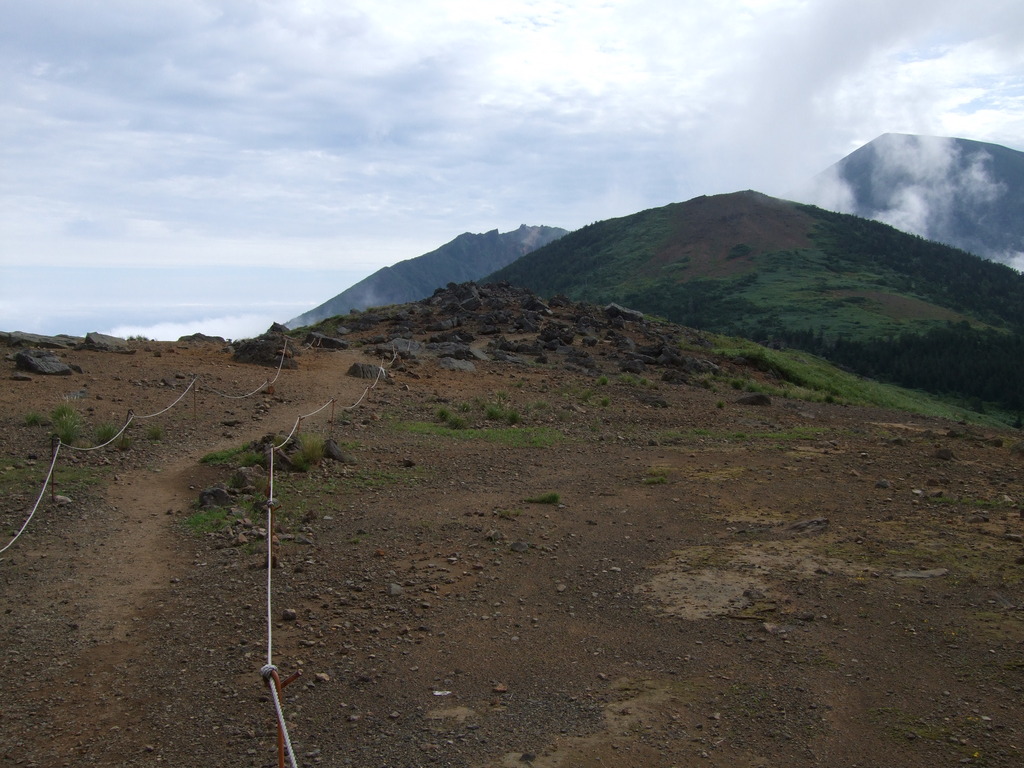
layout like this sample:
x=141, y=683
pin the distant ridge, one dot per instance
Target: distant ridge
x=466, y=258
x=968, y=194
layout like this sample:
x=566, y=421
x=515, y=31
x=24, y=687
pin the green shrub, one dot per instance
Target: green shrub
x=544, y=498
x=67, y=423
x=105, y=432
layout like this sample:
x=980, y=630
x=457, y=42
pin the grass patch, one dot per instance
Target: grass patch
x=544, y=498
x=656, y=476
x=33, y=419
x=227, y=456
x=154, y=433
x=207, y=521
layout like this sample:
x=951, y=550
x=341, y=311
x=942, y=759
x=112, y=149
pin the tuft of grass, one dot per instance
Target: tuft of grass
x=67, y=423
x=445, y=416
x=544, y=498
x=105, y=432
x=312, y=447
x=155, y=433
x=33, y=419
x=207, y=521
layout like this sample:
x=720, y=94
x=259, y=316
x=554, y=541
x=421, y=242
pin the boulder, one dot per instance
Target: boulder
x=616, y=310
x=41, y=361
x=323, y=341
x=101, y=342
x=216, y=496
x=366, y=371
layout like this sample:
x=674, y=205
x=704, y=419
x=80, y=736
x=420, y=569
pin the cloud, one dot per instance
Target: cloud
x=197, y=131
x=228, y=327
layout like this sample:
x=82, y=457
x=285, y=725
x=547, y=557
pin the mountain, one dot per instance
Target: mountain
x=467, y=257
x=964, y=193
x=845, y=287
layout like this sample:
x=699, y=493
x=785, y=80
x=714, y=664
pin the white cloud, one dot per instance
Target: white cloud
x=232, y=132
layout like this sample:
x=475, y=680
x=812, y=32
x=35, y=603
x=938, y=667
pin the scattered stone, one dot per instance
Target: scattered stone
x=944, y=454
x=394, y=590
x=519, y=546
x=289, y=614
x=883, y=484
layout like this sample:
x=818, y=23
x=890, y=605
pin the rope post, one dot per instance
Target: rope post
x=54, y=447
x=331, y=432
x=195, y=408
x=271, y=677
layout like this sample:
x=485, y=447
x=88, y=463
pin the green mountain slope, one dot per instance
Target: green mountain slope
x=749, y=265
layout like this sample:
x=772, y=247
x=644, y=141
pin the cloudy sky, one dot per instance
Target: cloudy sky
x=177, y=165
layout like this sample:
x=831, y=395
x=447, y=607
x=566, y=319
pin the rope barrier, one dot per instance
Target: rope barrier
x=42, y=492
x=266, y=382
x=165, y=410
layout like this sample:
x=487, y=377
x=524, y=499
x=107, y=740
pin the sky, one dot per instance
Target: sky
x=173, y=166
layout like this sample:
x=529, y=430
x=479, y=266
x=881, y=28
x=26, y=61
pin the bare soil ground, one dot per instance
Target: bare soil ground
x=718, y=584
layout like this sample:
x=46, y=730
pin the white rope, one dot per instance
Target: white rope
x=35, y=506
x=104, y=445
x=266, y=672
x=266, y=382
x=165, y=410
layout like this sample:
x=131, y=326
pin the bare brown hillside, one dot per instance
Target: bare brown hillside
x=716, y=584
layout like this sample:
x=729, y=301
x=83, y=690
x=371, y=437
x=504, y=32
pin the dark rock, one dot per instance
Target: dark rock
x=202, y=337
x=42, y=362
x=944, y=454
x=266, y=350
x=323, y=341
x=100, y=342
x=20, y=339
x=333, y=452
x=617, y=311
x=366, y=371
x=217, y=496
